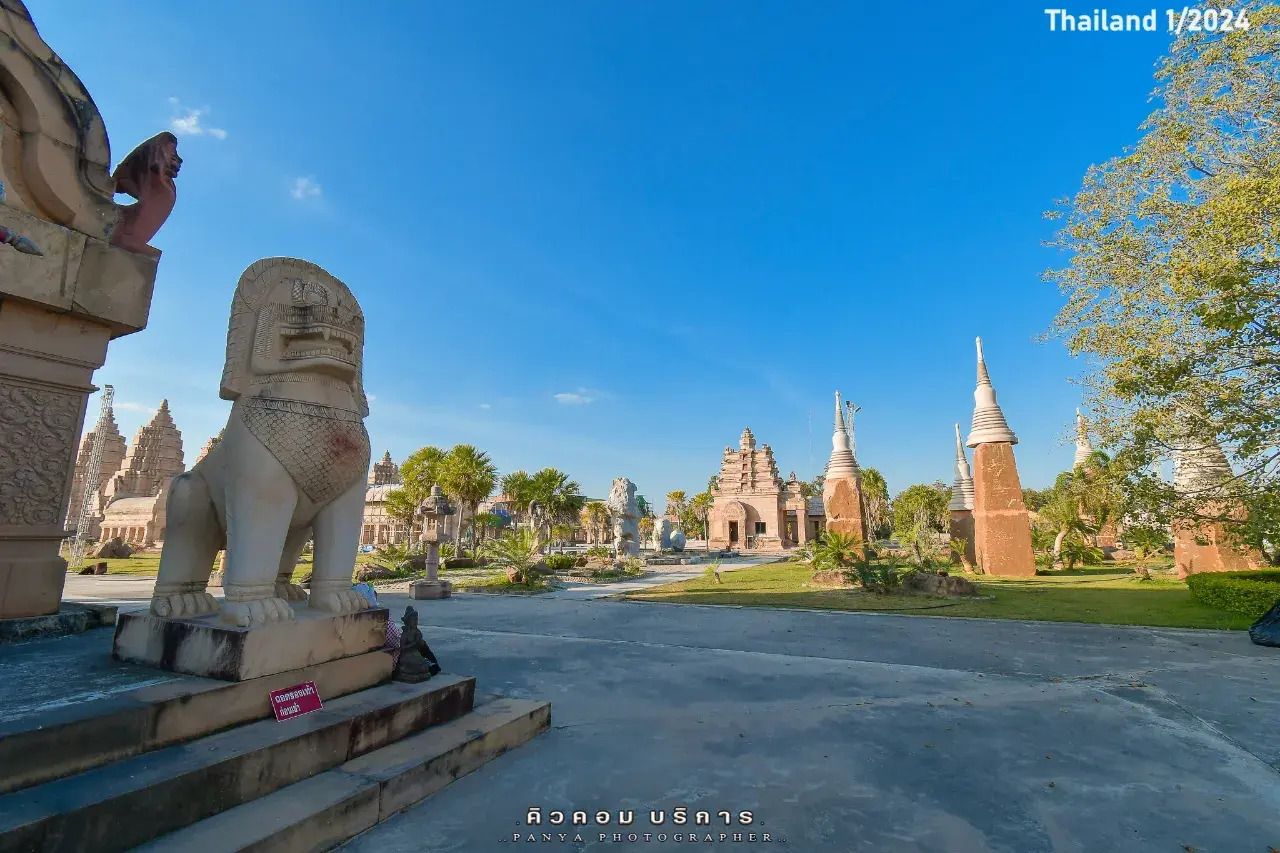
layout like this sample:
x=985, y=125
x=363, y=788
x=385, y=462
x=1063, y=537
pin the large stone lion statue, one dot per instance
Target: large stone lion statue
x=292, y=461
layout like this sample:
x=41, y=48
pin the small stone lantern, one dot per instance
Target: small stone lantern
x=433, y=511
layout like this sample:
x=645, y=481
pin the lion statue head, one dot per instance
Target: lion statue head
x=157, y=158
x=294, y=327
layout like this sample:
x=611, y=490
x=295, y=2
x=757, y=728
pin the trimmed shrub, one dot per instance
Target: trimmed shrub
x=560, y=562
x=1249, y=594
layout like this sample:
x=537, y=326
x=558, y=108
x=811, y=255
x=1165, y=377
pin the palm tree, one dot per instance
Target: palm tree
x=701, y=507
x=595, y=518
x=837, y=552
x=517, y=487
x=468, y=476
x=561, y=498
x=517, y=552
x=875, y=493
x=646, y=527
x=676, y=503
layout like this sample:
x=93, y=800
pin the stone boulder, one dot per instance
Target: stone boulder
x=677, y=541
x=375, y=573
x=832, y=579
x=113, y=549
x=941, y=584
x=416, y=563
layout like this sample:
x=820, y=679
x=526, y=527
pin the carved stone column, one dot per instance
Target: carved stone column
x=65, y=292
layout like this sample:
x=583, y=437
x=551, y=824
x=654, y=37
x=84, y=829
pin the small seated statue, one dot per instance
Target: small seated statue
x=416, y=662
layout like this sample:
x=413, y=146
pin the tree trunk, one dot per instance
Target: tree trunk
x=1057, y=546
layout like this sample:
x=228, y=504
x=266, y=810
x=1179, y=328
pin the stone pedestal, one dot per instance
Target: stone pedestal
x=430, y=589
x=208, y=647
x=1002, y=529
x=962, y=529
x=844, y=506
x=61, y=301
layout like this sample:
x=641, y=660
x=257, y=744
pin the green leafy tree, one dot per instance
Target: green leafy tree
x=1173, y=280
x=645, y=524
x=837, y=552
x=676, y=503
x=1035, y=499
x=813, y=488
x=468, y=476
x=917, y=505
x=402, y=508
x=643, y=506
x=875, y=495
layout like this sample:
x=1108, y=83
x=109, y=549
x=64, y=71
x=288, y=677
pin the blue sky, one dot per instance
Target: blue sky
x=606, y=236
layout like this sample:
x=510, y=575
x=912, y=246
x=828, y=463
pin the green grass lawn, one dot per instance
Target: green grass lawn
x=1107, y=595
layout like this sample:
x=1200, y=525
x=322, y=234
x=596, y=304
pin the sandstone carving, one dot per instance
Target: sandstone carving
x=148, y=175
x=626, y=517
x=291, y=464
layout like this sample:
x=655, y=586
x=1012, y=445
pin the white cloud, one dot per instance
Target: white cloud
x=485, y=406
x=581, y=397
x=305, y=188
x=187, y=123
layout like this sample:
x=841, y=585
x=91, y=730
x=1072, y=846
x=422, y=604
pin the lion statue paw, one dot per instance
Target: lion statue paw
x=261, y=611
x=339, y=601
x=183, y=604
x=290, y=592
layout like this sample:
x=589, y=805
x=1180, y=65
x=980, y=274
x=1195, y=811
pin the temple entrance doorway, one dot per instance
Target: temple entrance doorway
x=733, y=533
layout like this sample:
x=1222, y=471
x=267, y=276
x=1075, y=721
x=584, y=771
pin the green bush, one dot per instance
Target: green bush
x=560, y=562
x=1249, y=594
x=599, y=551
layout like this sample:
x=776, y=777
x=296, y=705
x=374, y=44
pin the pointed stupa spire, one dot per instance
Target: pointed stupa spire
x=841, y=463
x=962, y=489
x=989, y=424
x=1083, y=447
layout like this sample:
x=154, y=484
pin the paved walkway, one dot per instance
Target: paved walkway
x=839, y=731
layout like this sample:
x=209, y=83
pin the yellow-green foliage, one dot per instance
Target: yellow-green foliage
x=1249, y=594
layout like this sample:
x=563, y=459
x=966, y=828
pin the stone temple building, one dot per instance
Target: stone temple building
x=753, y=508
x=138, y=493
x=379, y=528
x=113, y=451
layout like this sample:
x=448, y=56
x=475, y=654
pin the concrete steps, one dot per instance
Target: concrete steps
x=326, y=810
x=79, y=737
x=135, y=800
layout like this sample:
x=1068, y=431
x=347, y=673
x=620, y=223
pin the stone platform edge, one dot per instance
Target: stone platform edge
x=75, y=738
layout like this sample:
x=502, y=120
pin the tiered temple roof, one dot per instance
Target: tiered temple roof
x=113, y=453
x=384, y=473
x=153, y=459
x=748, y=470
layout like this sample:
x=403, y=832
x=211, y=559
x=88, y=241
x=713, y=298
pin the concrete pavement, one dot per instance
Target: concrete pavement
x=843, y=731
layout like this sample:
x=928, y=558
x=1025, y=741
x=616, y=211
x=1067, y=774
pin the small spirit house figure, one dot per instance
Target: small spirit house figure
x=416, y=663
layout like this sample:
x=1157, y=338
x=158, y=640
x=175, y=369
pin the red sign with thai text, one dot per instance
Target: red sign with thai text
x=295, y=701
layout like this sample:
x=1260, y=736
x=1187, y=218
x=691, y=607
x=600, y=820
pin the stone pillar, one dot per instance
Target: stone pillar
x=65, y=292
x=1001, y=526
x=1002, y=529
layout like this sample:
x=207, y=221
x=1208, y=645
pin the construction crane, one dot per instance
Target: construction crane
x=91, y=475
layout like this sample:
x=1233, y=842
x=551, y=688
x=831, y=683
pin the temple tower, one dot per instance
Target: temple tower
x=1083, y=447
x=113, y=452
x=154, y=458
x=208, y=445
x=961, y=507
x=842, y=498
x=1203, y=545
x=1001, y=527
x=384, y=473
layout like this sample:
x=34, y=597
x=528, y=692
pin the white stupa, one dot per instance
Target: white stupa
x=962, y=489
x=989, y=424
x=841, y=463
x=1083, y=447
